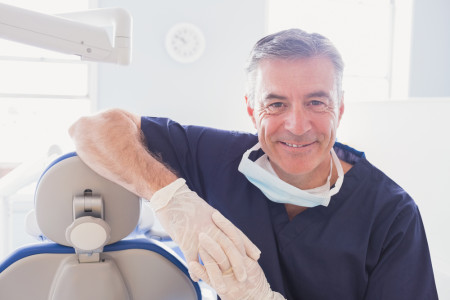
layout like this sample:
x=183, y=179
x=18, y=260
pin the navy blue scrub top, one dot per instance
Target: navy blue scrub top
x=369, y=243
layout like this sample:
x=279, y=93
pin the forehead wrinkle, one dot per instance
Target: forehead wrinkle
x=272, y=85
x=315, y=94
x=318, y=94
x=274, y=96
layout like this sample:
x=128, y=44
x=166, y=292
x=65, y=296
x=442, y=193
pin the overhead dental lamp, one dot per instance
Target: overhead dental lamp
x=101, y=35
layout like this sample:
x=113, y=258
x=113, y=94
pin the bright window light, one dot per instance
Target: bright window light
x=66, y=80
x=42, y=92
x=366, y=32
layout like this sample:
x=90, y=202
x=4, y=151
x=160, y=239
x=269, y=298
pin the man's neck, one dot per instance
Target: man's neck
x=310, y=180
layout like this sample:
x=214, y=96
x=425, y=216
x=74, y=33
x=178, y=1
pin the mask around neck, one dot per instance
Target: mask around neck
x=261, y=174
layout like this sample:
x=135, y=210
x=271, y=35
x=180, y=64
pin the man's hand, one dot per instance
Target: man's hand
x=184, y=215
x=217, y=271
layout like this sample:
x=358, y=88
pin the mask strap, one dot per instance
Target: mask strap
x=340, y=171
x=331, y=170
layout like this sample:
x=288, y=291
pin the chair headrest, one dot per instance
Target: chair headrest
x=67, y=180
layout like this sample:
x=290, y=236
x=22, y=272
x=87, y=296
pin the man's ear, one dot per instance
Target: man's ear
x=341, y=108
x=250, y=110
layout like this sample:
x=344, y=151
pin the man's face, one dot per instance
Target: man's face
x=296, y=113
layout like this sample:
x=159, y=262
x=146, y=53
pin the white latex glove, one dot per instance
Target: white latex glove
x=218, y=272
x=184, y=215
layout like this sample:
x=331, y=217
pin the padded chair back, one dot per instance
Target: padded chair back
x=87, y=218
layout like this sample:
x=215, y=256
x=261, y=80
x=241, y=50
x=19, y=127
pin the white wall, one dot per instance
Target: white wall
x=207, y=92
x=430, y=63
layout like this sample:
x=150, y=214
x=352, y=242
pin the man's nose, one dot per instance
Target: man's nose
x=297, y=121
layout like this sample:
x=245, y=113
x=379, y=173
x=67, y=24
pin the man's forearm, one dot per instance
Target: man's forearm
x=111, y=144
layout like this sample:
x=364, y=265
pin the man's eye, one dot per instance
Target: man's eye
x=317, y=102
x=275, y=107
x=317, y=105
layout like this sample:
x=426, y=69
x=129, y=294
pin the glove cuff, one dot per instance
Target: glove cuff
x=278, y=296
x=162, y=197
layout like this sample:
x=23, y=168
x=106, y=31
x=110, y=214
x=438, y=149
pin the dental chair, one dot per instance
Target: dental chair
x=88, y=218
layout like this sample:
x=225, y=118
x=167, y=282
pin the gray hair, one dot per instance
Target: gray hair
x=292, y=44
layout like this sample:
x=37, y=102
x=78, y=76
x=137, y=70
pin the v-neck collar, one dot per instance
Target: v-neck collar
x=286, y=230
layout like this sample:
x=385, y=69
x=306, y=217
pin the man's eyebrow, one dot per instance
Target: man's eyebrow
x=274, y=96
x=319, y=94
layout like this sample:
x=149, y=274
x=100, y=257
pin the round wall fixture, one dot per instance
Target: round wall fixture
x=185, y=42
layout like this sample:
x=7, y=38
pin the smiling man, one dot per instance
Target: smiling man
x=329, y=224
x=297, y=113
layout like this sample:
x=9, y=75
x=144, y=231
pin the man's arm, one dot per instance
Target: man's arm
x=404, y=269
x=111, y=144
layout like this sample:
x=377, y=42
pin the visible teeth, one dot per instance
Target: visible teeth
x=294, y=145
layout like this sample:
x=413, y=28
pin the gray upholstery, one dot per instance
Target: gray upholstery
x=145, y=274
x=131, y=269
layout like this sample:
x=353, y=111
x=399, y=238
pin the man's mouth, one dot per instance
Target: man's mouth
x=296, y=145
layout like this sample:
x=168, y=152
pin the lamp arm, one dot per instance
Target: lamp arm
x=97, y=35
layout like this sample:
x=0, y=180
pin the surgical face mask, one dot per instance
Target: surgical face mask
x=261, y=174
